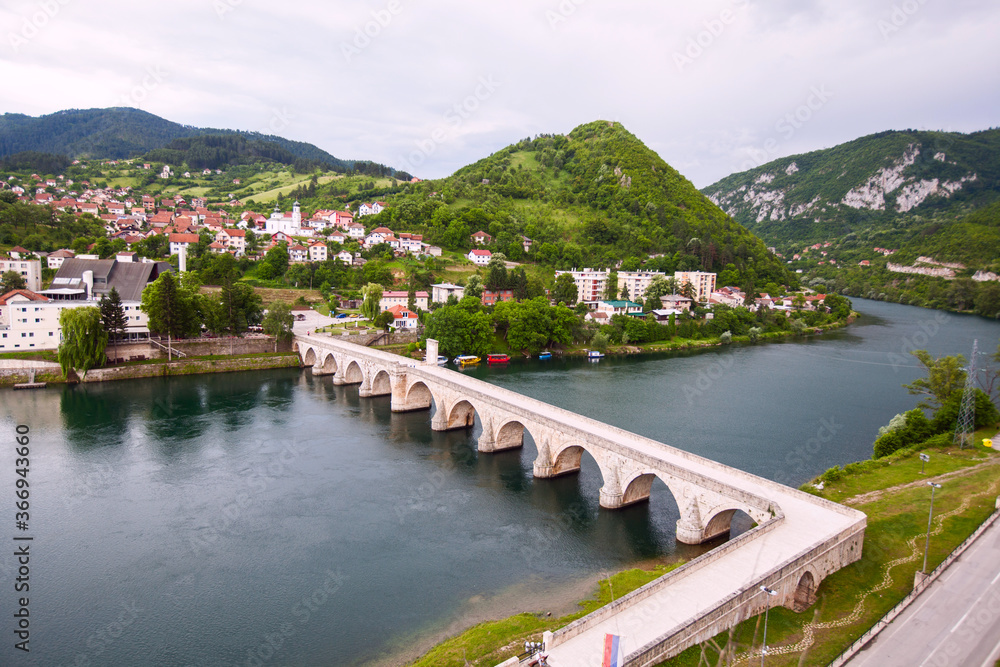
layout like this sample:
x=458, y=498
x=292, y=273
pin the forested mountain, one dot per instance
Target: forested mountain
x=123, y=132
x=884, y=189
x=589, y=198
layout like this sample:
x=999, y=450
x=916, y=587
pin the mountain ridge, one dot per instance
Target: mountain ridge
x=124, y=132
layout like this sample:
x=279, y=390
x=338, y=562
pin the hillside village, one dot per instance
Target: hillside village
x=148, y=232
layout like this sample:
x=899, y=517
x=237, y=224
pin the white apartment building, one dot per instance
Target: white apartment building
x=703, y=283
x=590, y=284
x=637, y=282
x=30, y=270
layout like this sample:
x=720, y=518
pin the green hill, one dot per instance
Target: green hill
x=120, y=133
x=589, y=198
x=885, y=189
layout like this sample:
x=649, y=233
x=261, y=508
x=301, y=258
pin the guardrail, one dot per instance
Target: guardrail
x=883, y=622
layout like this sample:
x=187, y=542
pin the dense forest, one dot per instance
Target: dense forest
x=121, y=133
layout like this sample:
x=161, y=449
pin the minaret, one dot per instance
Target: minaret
x=296, y=216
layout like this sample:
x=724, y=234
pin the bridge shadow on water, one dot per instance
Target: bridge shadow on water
x=571, y=502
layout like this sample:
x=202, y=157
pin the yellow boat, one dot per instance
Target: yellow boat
x=466, y=360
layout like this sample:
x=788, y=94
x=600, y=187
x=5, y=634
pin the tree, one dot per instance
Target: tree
x=945, y=376
x=611, y=288
x=564, y=290
x=172, y=307
x=496, y=273
x=687, y=289
x=278, y=323
x=274, y=264
x=11, y=280
x=239, y=307
x=384, y=320
x=474, y=287
x=113, y=316
x=83, y=339
x=373, y=295
x=658, y=286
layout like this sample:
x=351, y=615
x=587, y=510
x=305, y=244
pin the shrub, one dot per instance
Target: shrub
x=726, y=338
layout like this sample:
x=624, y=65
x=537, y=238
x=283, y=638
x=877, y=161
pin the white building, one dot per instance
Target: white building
x=637, y=282
x=590, y=284
x=404, y=318
x=289, y=222
x=480, y=257
x=399, y=298
x=233, y=239
x=28, y=321
x=703, y=283
x=371, y=209
x=29, y=269
x=317, y=251
x=182, y=241
x=441, y=292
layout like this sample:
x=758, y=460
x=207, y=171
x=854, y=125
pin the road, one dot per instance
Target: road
x=955, y=622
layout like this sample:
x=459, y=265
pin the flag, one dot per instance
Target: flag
x=614, y=656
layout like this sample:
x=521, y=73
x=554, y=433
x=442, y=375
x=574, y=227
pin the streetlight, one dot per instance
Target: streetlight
x=763, y=648
x=930, y=515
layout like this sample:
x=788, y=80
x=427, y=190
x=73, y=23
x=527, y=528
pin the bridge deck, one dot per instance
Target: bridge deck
x=806, y=525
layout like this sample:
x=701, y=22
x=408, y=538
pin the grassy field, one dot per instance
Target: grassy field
x=493, y=642
x=279, y=295
x=896, y=500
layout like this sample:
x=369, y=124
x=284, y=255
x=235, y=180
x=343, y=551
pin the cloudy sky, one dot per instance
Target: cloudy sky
x=714, y=86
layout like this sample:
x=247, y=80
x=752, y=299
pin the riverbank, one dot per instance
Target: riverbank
x=160, y=368
x=896, y=500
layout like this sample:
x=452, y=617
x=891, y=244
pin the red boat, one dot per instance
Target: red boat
x=497, y=358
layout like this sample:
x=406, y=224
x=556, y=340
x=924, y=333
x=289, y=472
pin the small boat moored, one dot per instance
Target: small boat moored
x=544, y=355
x=466, y=360
x=493, y=359
x=594, y=355
x=442, y=360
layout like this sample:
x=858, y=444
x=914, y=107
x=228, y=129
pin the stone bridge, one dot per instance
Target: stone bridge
x=798, y=539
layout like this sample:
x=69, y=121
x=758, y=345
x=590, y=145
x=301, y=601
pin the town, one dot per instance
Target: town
x=143, y=236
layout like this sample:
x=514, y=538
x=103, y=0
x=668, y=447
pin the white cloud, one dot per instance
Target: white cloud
x=707, y=85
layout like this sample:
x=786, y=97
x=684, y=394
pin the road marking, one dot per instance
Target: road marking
x=994, y=654
x=971, y=607
x=995, y=579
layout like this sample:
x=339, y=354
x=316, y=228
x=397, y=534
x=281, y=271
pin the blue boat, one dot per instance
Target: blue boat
x=545, y=355
x=594, y=355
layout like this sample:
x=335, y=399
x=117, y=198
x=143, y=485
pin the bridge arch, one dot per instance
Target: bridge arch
x=805, y=592
x=412, y=396
x=381, y=384
x=510, y=435
x=309, y=358
x=461, y=415
x=329, y=364
x=354, y=374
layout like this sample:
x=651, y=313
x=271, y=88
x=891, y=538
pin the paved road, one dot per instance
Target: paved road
x=955, y=622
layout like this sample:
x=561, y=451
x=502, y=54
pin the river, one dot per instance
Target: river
x=273, y=518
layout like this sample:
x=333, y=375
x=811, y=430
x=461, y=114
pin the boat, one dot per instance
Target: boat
x=545, y=355
x=466, y=360
x=442, y=360
x=594, y=355
x=493, y=359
